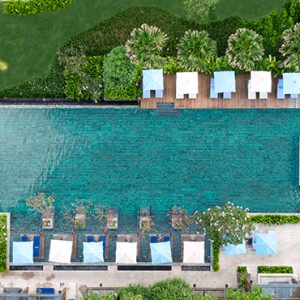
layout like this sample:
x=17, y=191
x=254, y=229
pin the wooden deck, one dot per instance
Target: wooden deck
x=239, y=99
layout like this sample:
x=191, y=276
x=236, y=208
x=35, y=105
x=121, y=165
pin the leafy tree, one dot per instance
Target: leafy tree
x=229, y=224
x=245, y=49
x=119, y=75
x=145, y=46
x=199, y=10
x=290, y=48
x=196, y=51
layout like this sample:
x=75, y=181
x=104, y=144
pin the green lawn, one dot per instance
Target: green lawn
x=29, y=44
x=248, y=9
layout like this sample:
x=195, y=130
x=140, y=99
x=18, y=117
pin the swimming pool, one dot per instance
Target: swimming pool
x=128, y=157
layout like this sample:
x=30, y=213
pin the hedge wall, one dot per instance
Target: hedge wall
x=275, y=269
x=275, y=219
x=3, y=245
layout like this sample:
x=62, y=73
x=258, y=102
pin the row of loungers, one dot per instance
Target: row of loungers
x=63, y=248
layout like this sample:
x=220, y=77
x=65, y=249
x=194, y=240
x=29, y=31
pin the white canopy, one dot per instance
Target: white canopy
x=186, y=83
x=126, y=252
x=23, y=252
x=193, y=252
x=261, y=82
x=60, y=251
x=93, y=252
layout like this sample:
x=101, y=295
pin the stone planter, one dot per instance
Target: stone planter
x=48, y=221
x=80, y=220
x=112, y=220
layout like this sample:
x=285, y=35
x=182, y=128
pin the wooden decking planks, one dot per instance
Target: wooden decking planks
x=239, y=99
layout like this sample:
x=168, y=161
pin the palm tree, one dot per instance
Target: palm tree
x=145, y=46
x=196, y=51
x=245, y=49
x=290, y=48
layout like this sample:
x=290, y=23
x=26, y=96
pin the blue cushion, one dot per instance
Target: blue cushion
x=280, y=94
x=36, y=245
x=46, y=291
x=89, y=238
x=24, y=238
x=166, y=238
x=153, y=239
x=213, y=94
x=103, y=239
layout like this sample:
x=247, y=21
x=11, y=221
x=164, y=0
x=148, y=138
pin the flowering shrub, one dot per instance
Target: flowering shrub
x=230, y=223
x=41, y=203
x=179, y=218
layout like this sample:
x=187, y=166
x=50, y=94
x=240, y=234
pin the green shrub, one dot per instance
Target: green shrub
x=120, y=76
x=241, y=269
x=216, y=254
x=275, y=219
x=3, y=246
x=255, y=294
x=275, y=269
x=171, y=65
x=83, y=78
x=31, y=7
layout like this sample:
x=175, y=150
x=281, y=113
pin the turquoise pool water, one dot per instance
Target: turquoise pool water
x=130, y=157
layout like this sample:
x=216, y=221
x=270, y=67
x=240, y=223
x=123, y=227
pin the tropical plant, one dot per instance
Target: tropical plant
x=120, y=76
x=245, y=49
x=41, y=203
x=179, y=218
x=145, y=46
x=230, y=223
x=199, y=10
x=196, y=51
x=290, y=48
x=255, y=294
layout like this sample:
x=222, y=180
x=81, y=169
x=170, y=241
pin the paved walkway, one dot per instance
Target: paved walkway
x=288, y=254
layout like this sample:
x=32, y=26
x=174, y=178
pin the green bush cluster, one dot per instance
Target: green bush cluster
x=275, y=269
x=216, y=255
x=241, y=269
x=3, y=245
x=83, y=78
x=275, y=219
x=32, y=7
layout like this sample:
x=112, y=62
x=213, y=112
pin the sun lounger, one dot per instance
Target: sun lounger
x=226, y=95
x=280, y=94
x=160, y=249
x=179, y=96
x=294, y=96
x=38, y=244
x=159, y=93
x=99, y=238
x=213, y=94
x=146, y=94
x=263, y=95
x=192, y=96
x=251, y=95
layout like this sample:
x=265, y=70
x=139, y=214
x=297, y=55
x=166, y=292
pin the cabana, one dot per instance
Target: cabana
x=186, y=84
x=232, y=250
x=38, y=244
x=126, y=253
x=223, y=83
x=193, y=252
x=104, y=238
x=265, y=243
x=153, y=80
x=291, y=84
x=60, y=251
x=161, y=253
x=260, y=82
x=23, y=253
x=93, y=252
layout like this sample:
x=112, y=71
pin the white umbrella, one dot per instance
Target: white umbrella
x=261, y=82
x=186, y=83
x=23, y=252
x=60, y=251
x=126, y=252
x=93, y=252
x=193, y=252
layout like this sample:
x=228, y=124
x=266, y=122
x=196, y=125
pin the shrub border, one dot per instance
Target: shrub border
x=275, y=219
x=275, y=270
x=5, y=261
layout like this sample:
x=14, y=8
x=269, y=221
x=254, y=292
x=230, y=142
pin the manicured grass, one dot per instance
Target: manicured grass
x=29, y=44
x=248, y=9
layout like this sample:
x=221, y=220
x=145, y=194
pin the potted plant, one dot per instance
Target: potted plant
x=112, y=219
x=243, y=278
x=145, y=219
x=180, y=220
x=77, y=216
x=44, y=205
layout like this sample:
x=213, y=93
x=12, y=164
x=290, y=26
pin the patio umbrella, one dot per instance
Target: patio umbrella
x=265, y=243
x=153, y=80
x=126, y=252
x=232, y=250
x=186, y=83
x=93, y=252
x=261, y=82
x=193, y=252
x=23, y=252
x=291, y=83
x=161, y=253
x=60, y=251
x=224, y=81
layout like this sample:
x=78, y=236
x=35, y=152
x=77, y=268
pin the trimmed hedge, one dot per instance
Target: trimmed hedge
x=275, y=219
x=275, y=269
x=3, y=246
x=216, y=254
x=241, y=269
x=32, y=7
